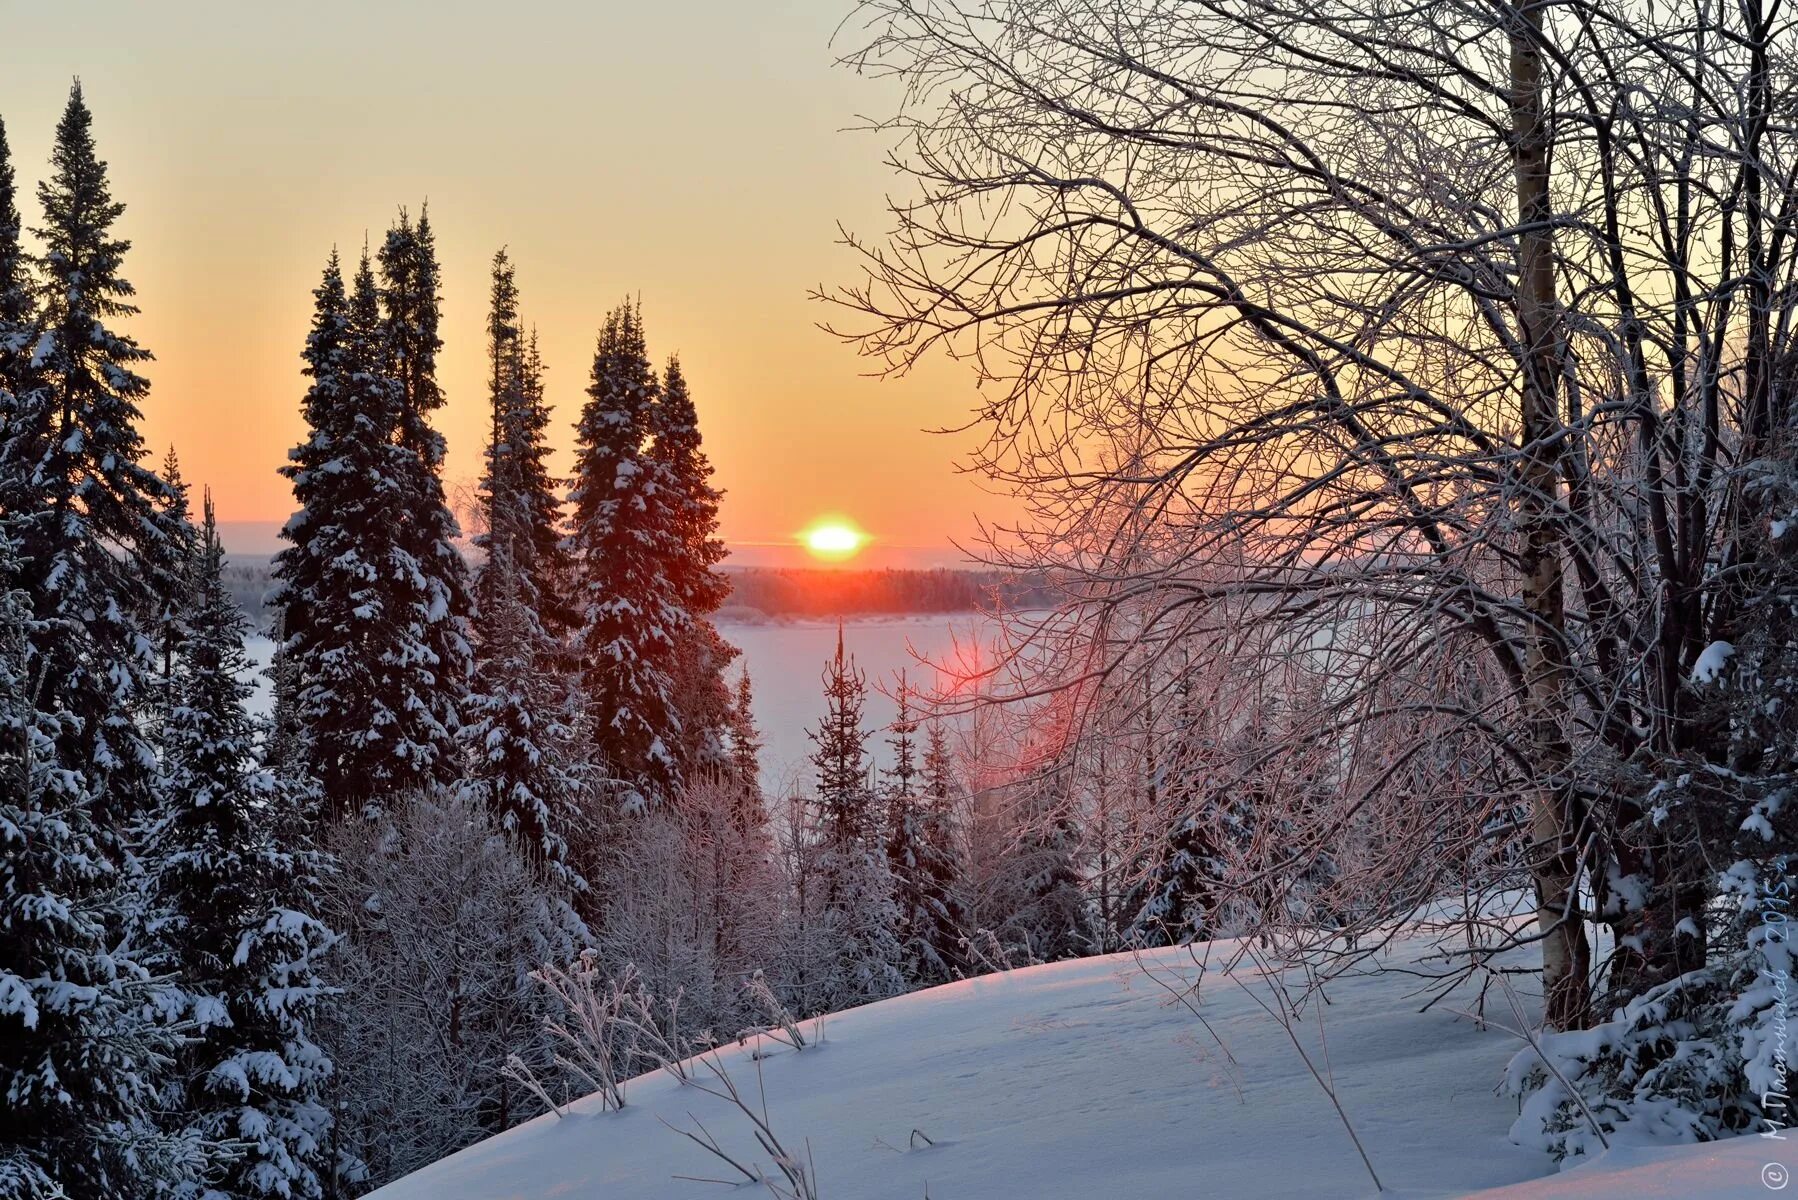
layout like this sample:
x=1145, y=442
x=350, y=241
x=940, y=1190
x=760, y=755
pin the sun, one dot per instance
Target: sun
x=833, y=539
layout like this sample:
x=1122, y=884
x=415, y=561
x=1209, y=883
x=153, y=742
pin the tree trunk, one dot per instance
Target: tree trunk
x=1554, y=850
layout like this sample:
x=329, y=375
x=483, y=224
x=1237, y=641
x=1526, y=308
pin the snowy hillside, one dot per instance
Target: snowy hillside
x=1086, y=1079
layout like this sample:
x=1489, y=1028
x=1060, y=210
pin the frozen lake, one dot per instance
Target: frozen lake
x=786, y=661
x=786, y=665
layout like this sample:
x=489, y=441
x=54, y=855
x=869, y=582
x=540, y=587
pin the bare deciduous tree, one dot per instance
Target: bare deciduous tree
x=1383, y=343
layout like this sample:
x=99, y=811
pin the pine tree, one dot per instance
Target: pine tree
x=231, y=872
x=701, y=654
x=89, y=542
x=622, y=540
x=856, y=885
x=425, y=690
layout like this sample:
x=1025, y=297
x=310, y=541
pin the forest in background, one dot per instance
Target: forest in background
x=761, y=593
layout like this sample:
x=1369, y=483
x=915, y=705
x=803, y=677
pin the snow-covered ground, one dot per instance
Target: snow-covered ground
x=1738, y=1169
x=1087, y=1080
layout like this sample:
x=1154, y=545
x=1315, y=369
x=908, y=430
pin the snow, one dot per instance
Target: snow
x=260, y=651
x=1711, y=663
x=1087, y=1080
x=1078, y=1079
x=1732, y=1170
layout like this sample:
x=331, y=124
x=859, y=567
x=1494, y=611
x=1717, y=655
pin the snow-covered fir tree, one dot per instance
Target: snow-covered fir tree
x=18, y=337
x=922, y=854
x=749, y=879
x=1040, y=894
x=17, y=310
x=231, y=868
x=746, y=761
x=170, y=630
x=283, y=738
x=1174, y=889
x=853, y=885
x=519, y=750
x=701, y=655
x=623, y=538
x=1176, y=899
x=95, y=527
x=846, y=812
x=354, y=645
x=84, y=1036
x=425, y=690
x=520, y=498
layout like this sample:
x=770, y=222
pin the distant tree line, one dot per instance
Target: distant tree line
x=845, y=592
x=756, y=592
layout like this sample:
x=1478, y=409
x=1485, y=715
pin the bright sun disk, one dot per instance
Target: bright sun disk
x=833, y=539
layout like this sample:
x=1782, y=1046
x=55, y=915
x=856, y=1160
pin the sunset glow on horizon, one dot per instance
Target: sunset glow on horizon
x=692, y=154
x=833, y=539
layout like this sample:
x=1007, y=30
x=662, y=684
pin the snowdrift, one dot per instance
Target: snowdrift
x=1089, y=1080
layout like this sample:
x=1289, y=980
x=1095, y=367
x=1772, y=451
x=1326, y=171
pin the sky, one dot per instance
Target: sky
x=695, y=153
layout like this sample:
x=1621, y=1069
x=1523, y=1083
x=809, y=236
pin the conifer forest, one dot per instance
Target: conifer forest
x=1354, y=749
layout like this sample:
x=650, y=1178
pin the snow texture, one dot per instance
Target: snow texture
x=1078, y=1079
x=1712, y=663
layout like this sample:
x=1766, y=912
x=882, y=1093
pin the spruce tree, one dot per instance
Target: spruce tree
x=840, y=757
x=942, y=863
x=351, y=642
x=1048, y=918
x=519, y=750
x=283, y=746
x=701, y=654
x=18, y=309
x=751, y=808
x=1176, y=900
x=89, y=541
x=921, y=857
x=425, y=690
x=750, y=879
x=622, y=539
x=96, y=533
x=519, y=495
x=231, y=870
x=171, y=632
x=857, y=890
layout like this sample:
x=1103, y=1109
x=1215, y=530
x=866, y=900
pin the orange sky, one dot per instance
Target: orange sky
x=689, y=150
